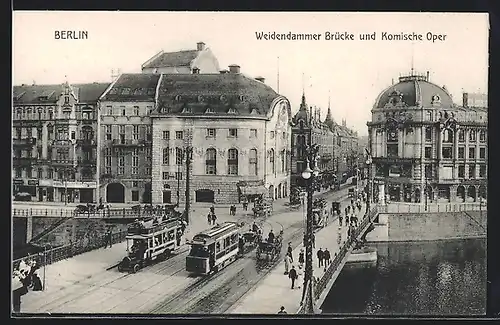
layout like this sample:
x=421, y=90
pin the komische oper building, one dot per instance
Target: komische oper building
x=425, y=147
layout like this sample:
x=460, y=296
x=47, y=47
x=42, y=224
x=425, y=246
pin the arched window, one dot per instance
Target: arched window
x=271, y=161
x=482, y=136
x=211, y=162
x=461, y=136
x=232, y=162
x=252, y=161
x=447, y=136
x=282, y=157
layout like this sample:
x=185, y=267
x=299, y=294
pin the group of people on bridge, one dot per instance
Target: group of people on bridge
x=25, y=277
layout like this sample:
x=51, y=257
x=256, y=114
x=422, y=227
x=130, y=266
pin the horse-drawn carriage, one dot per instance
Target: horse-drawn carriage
x=250, y=240
x=270, y=250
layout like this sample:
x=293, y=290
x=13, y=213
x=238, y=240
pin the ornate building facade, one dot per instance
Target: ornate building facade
x=425, y=147
x=55, y=141
x=238, y=128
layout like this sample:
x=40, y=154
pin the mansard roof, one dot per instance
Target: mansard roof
x=133, y=87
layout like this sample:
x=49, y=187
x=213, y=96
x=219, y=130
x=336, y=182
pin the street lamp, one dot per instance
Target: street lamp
x=309, y=175
x=369, y=193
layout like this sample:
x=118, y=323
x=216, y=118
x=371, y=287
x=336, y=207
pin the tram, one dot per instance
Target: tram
x=213, y=249
x=150, y=240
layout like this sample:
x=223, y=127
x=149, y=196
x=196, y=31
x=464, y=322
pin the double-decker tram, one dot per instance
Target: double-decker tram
x=150, y=240
x=213, y=249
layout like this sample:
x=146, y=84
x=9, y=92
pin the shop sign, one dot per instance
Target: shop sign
x=45, y=182
x=33, y=182
x=18, y=181
x=75, y=184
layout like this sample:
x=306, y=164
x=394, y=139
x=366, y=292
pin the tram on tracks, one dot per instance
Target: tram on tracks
x=213, y=249
x=154, y=239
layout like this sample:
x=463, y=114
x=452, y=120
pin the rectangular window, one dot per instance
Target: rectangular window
x=472, y=171
x=283, y=135
x=482, y=171
x=135, y=158
x=233, y=133
x=461, y=171
x=428, y=171
x=179, y=156
x=108, y=132
x=428, y=134
x=482, y=153
x=148, y=171
x=107, y=170
x=166, y=156
x=211, y=162
x=135, y=170
x=461, y=136
x=472, y=152
x=135, y=132
x=178, y=176
x=136, y=110
x=472, y=136
x=121, y=170
x=150, y=109
x=179, y=135
x=135, y=195
x=165, y=175
x=447, y=152
x=461, y=152
x=429, y=115
x=253, y=133
x=232, y=162
x=392, y=150
x=19, y=172
x=166, y=135
x=271, y=134
x=428, y=152
x=40, y=173
x=211, y=133
x=123, y=110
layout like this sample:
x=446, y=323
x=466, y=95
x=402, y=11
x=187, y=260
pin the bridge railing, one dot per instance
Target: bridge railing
x=56, y=254
x=400, y=207
x=126, y=213
x=321, y=283
x=54, y=213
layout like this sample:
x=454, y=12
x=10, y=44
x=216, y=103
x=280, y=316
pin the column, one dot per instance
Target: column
x=400, y=142
x=381, y=194
x=440, y=144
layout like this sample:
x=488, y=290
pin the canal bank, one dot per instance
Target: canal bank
x=446, y=277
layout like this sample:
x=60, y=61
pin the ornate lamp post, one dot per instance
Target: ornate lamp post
x=309, y=175
x=369, y=183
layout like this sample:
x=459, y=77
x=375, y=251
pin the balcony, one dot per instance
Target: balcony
x=25, y=142
x=87, y=162
x=86, y=142
x=62, y=162
x=127, y=143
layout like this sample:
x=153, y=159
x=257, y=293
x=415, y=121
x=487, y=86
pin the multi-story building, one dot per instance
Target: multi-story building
x=238, y=128
x=426, y=147
x=308, y=128
x=346, y=150
x=200, y=60
x=54, y=141
x=125, y=138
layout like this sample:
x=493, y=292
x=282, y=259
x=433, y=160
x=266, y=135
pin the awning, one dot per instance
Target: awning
x=253, y=190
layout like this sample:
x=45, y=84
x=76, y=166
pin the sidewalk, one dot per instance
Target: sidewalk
x=275, y=290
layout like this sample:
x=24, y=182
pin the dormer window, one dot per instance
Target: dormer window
x=43, y=98
x=196, y=70
x=186, y=109
x=209, y=110
x=66, y=100
x=254, y=112
x=125, y=91
x=231, y=111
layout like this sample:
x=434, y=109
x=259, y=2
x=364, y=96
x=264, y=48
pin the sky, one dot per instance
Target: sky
x=349, y=74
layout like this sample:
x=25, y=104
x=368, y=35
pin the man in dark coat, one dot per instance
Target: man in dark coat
x=293, y=276
x=327, y=256
x=320, y=255
x=270, y=238
x=290, y=250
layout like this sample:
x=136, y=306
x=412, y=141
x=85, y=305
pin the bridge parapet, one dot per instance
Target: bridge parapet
x=54, y=213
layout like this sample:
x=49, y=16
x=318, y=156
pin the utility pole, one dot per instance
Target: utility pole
x=189, y=155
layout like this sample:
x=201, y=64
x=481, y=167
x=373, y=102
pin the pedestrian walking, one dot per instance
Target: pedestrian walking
x=327, y=256
x=209, y=218
x=212, y=209
x=313, y=238
x=347, y=220
x=340, y=221
x=293, y=276
x=109, y=238
x=290, y=250
x=320, y=256
x=214, y=218
x=287, y=264
x=301, y=258
x=282, y=310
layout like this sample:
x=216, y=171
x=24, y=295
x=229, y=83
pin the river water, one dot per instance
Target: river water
x=418, y=278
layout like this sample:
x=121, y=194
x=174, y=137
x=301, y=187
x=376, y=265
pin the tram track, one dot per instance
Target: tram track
x=186, y=294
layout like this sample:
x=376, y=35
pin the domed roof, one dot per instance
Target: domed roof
x=415, y=91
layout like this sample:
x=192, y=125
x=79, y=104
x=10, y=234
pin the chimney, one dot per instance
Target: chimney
x=427, y=79
x=465, y=99
x=200, y=46
x=261, y=79
x=234, y=68
x=196, y=70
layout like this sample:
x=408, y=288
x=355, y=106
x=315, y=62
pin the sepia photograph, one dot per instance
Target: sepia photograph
x=249, y=163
